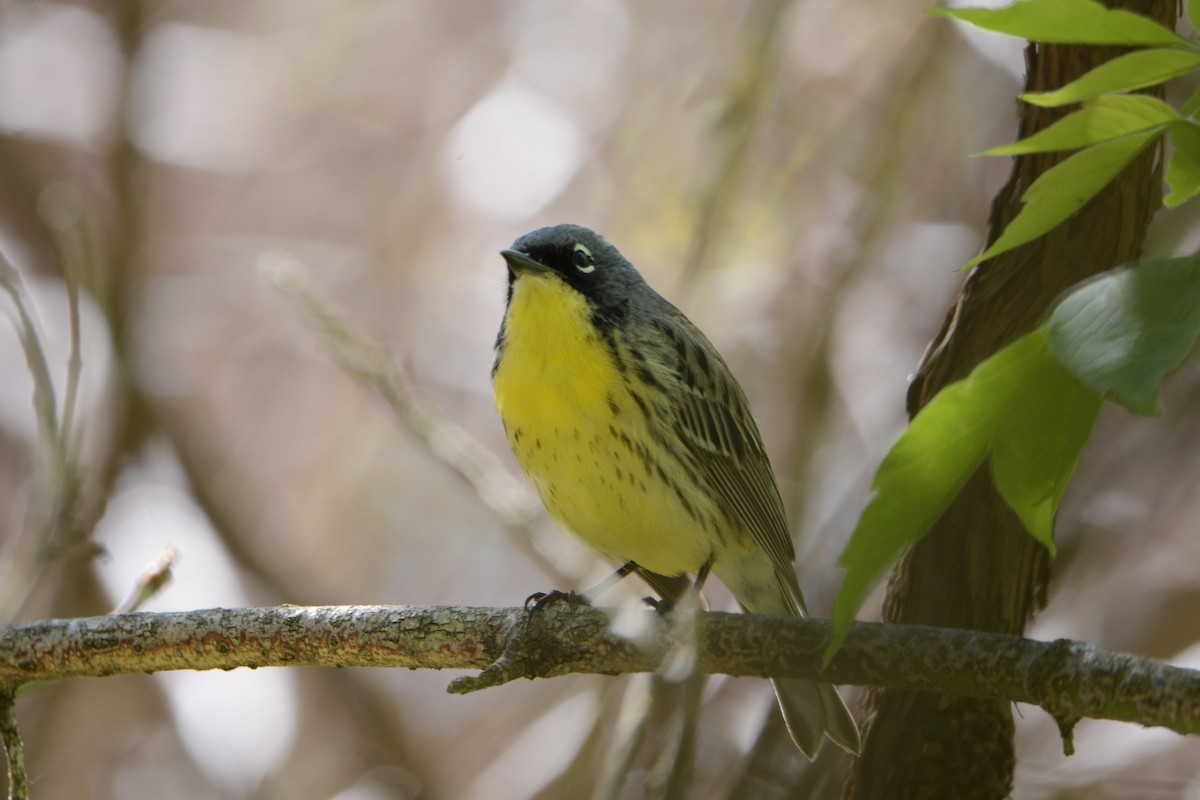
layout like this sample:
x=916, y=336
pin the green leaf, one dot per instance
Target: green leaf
x=1099, y=120
x=1041, y=438
x=1121, y=333
x=925, y=469
x=1192, y=105
x=1194, y=12
x=1122, y=74
x=1021, y=407
x=1183, y=170
x=1066, y=22
x=1064, y=188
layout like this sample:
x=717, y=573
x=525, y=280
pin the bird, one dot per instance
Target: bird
x=640, y=442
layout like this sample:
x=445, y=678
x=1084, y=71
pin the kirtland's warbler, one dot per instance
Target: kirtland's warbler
x=640, y=442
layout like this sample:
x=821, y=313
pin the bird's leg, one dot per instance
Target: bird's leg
x=585, y=598
x=665, y=604
x=702, y=573
x=627, y=568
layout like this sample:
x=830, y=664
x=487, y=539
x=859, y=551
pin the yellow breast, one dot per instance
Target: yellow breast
x=583, y=442
x=555, y=368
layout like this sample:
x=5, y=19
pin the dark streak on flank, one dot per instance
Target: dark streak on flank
x=637, y=398
x=610, y=340
x=686, y=505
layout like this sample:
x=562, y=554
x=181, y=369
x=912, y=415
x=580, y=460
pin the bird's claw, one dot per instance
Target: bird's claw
x=660, y=604
x=539, y=600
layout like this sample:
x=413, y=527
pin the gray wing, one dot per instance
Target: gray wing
x=713, y=418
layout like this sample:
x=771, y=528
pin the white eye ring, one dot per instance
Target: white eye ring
x=583, y=259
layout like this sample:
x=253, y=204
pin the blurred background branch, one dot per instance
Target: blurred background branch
x=49, y=525
x=514, y=504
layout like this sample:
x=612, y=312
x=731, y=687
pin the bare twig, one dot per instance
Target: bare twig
x=60, y=205
x=628, y=735
x=31, y=342
x=1069, y=679
x=673, y=770
x=51, y=514
x=154, y=577
x=510, y=501
x=744, y=103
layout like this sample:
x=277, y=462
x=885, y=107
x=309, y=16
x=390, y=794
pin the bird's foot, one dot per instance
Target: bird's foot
x=660, y=604
x=539, y=600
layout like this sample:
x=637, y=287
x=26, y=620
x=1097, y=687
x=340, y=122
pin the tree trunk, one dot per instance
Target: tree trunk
x=978, y=568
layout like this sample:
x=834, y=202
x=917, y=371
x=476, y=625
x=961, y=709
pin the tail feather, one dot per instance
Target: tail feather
x=813, y=711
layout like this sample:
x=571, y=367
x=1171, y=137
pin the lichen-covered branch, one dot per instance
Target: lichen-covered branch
x=1071, y=680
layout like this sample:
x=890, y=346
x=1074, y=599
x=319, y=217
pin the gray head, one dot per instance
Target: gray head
x=588, y=264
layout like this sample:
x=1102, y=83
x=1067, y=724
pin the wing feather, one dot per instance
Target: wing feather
x=712, y=415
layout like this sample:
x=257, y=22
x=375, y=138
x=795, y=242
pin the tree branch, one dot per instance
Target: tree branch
x=1069, y=679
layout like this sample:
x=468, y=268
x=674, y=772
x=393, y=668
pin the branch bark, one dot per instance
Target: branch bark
x=1069, y=679
x=10, y=735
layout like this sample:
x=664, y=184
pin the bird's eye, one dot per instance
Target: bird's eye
x=583, y=259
